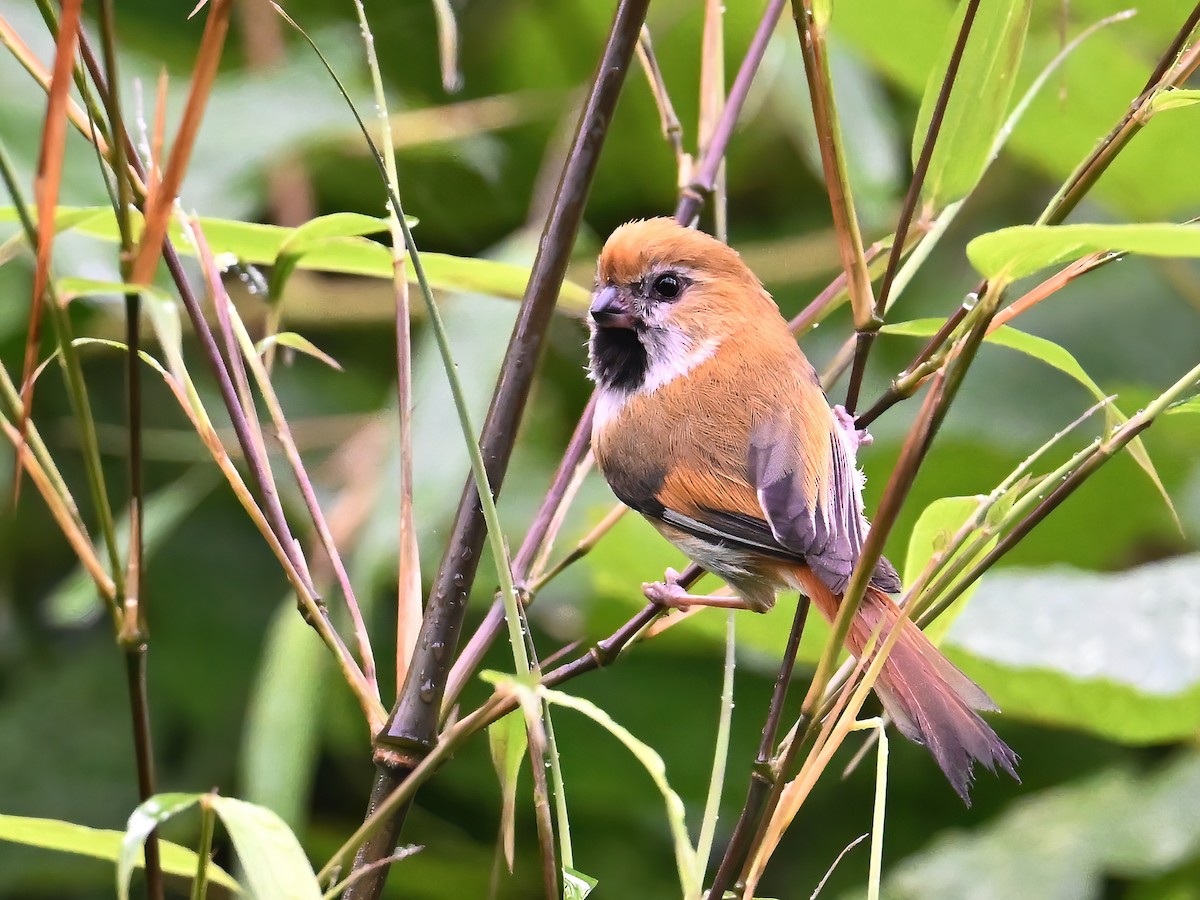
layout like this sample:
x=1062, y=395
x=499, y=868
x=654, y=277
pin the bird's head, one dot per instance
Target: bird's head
x=666, y=297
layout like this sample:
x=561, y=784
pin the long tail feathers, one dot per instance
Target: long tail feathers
x=930, y=700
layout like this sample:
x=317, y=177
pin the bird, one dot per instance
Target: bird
x=711, y=423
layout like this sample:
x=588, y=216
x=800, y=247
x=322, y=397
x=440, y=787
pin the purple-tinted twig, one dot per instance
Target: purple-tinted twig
x=705, y=177
x=259, y=473
x=236, y=343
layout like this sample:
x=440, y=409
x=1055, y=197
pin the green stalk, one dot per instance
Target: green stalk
x=208, y=824
x=81, y=407
x=716, y=783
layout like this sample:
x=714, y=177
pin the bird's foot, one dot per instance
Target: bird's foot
x=858, y=437
x=668, y=592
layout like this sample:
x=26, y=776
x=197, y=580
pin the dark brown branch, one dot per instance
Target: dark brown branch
x=135, y=676
x=468, y=661
x=133, y=635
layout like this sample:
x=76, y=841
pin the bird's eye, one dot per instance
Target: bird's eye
x=668, y=285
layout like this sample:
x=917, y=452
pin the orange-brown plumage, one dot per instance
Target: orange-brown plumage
x=712, y=424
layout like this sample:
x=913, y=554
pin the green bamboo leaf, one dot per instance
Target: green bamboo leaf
x=268, y=852
x=148, y=816
x=257, y=244
x=1012, y=253
x=297, y=342
x=312, y=235
x=1185, y=406
x=101, y=843
x=576, y=885
x=978, y=101
x=938, y=523
x=508, y=741
x=1107, y=653
x=685, y=856
x=1053, y=355
x=1174, y=99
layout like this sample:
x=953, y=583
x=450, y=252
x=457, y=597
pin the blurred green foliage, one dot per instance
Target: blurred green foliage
x=1097, y=671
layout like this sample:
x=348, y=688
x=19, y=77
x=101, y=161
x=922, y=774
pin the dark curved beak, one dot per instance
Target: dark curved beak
x=610, y=309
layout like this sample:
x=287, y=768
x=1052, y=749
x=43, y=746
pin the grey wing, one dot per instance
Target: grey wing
x=814, y=506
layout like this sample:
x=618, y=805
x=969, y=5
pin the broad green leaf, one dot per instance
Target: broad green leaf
x=1053, y=355
x=74, y=602
x=1012, y=253
x=142, y=821
x=938, y=523
x=102, y=843
x=1115, y=823
x=576, y=885
x=1108, y=653
x=311, y=235
x=508, y=741
x=1174, y=99
x=298, y=342
x=283, y=710
x=978, y=101
x=65, y=218
x=1185, y=406
x=258, y=244
x=685, y=860
x=268, y=852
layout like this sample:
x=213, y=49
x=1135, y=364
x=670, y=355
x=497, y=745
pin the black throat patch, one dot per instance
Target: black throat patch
x=618, y=358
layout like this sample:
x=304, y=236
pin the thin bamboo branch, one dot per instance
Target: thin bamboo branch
x=80, y=407
x=811, y=28
x=242, y=344
x=867, y=337
x=671, y=128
